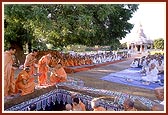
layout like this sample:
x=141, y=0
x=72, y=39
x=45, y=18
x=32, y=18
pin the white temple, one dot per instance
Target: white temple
x=140, y=41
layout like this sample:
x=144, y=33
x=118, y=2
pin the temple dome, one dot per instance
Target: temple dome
x=140, y=37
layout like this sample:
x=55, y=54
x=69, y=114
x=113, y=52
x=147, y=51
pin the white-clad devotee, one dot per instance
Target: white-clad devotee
x=142, y=62
x=108, y=58
x=160, y=67
x=118, y=57
x=129, y=54
x=134, y=63
x=94, y=59
x=152, y=75
x=153, y=60
x=145, y=68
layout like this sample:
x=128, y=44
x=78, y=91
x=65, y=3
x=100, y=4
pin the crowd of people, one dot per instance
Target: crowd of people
x=78, y=59
x=54, y=62
x=152, y=66
x=39, y=63
x=128, y=104
x=78, y=105
x=24, y=83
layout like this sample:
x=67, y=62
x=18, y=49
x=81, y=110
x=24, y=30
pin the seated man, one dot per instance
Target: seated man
x=24, y=82
x=152, y=75
x=129, y=105
x=96, y=106
x=58, y=74
x=159, y=93
x=160, y=67
x=145, y=68
x=142, y=62
x=134, y=63
x=77, y=105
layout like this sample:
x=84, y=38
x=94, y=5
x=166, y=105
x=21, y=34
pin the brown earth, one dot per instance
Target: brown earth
x=92, y=77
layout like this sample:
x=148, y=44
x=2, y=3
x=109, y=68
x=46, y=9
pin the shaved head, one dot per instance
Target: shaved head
x=159, y=92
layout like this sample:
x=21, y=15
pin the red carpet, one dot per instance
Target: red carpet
x=85, y=68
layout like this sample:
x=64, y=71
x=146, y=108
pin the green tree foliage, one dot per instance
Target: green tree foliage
x=159, y=43
x=66, y=24
x=76, y=48
x=23, y=25
x=123, y=46
x=90, y=24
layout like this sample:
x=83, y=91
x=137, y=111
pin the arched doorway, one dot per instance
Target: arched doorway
x=138, y=47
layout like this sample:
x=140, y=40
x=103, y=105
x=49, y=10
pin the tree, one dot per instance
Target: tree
x=22, y=24
x=66, y=24
x=159, y=43
x=123, y=45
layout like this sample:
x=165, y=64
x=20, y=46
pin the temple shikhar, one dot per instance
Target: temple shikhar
x=140, y=42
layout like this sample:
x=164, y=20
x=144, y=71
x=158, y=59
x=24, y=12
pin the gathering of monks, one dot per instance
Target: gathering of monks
x=39, y=63
x=83, y=57
x=49, y=61
x=24, y=83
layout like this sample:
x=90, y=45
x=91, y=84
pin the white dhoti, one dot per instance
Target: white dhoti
x=134, y=64
x=151, y=76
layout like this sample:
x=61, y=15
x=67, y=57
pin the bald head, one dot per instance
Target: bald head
x=128, y=103
x=68, y=107
x=159, y=93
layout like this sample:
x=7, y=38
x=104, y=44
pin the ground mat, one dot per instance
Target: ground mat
x=132, y=77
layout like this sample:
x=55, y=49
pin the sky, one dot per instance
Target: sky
x=152, y=16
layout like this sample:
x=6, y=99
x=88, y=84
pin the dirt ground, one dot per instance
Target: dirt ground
x=92, y=77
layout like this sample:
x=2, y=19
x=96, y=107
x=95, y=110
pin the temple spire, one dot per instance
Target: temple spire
x=140, y=32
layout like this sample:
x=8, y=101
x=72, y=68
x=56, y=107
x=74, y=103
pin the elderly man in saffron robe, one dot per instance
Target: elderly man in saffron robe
x=30, y=61
x=58, y=74
x=8, y=70
x=24, y=82
x=43, y=68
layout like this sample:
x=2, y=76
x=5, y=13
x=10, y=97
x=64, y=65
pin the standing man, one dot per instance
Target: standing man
x=43, y=68
x=8, y=68
x=30, y=61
